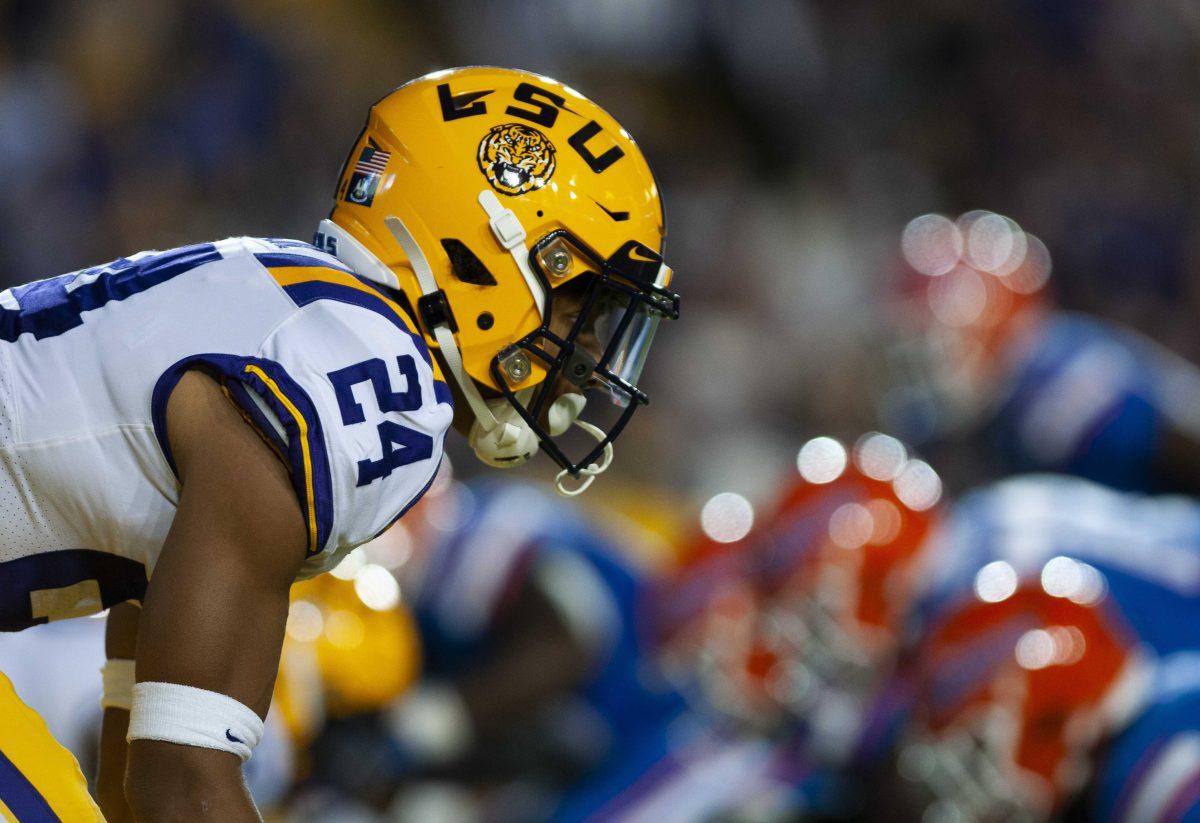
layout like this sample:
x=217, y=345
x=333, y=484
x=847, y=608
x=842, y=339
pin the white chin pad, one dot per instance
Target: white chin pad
x=510, y=442
x=564, y=411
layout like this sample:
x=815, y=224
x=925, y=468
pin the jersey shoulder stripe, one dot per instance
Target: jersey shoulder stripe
x=305, y=450
x=47, y=308
x=310, y=282
x=281, y=251
x=20, y=797
x=281, y=259
x=296, y=412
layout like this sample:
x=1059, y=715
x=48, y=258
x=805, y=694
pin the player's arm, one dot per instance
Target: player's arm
x=532, y=656
x=120, y=646
x=214, y=613
x=536, y=657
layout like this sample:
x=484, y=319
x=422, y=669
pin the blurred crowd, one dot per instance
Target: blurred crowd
x=811, y=132
x=762, y=613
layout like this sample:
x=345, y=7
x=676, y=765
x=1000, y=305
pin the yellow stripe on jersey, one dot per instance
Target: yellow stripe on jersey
x=294, y=275
x=306, y=455
x=46, y=773
x=291, y=275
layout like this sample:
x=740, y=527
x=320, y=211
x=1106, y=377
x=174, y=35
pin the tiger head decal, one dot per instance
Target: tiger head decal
x=516, y=159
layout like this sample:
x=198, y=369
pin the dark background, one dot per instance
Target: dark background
x=793, y=141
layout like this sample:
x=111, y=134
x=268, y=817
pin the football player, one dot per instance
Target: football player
x=782, y=642
x=195, y=429
x=535, y=668
x=1057, y=675
x=991, y=363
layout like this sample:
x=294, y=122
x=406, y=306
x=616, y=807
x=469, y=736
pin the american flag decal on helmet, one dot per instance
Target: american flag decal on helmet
x=364, y=180
x=372, y=161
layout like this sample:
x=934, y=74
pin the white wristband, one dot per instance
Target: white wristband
x=193, y=717
x=116, y=675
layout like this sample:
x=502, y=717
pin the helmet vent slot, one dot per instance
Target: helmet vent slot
x=466, y=266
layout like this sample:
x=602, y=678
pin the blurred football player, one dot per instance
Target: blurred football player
x=782, y=642
x=984, y=359
x=535, y=662
x=1058, y=672
x=225, y=418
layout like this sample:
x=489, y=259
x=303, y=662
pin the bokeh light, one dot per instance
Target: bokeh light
x=1072, y=579
x=851, y=525
x=821, y=460
x=376, y=588
x=727, y=517
x=995, y=582
x=1034, y=270
x=886, y=519
x=1051, y=646
x=304, y=621
x=959, y=298
x=1036, y=649
x=918, y=486
x=994, y=243
x=344, y=629
x=880, y=456
x=932, y=244
x=350, y=564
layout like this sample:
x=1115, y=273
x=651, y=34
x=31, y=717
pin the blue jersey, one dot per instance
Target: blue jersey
x=1151, y=773
x=1148, y=551
x=687, y=770
x=1147, y=548
x=1091, y=399
x=515, y=534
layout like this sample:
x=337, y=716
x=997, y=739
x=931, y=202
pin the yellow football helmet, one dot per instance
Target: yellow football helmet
x=478, y=195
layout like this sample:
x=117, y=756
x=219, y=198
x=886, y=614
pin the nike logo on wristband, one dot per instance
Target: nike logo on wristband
x=233, y=739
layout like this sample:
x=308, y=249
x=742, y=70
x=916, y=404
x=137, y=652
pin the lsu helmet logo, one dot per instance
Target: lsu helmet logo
x=516, y=159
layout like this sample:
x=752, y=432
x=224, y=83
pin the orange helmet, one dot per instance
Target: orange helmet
x=1013, y=693
x=967, y=290
x=808, y=610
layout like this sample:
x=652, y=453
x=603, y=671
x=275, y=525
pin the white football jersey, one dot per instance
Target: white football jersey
x=324, y=364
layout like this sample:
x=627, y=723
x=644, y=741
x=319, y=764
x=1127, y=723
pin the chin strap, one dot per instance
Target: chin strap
x=359, y=258
x=442, y=333
x=499, y=439
x=496, y=440
x=589, y=473
x=510, y=234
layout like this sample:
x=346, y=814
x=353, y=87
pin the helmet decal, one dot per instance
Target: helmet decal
x=516, y=159
x=364, y=181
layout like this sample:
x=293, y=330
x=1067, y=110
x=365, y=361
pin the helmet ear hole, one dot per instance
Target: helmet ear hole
x=466, y=266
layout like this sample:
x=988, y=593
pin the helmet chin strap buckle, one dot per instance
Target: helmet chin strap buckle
x=507, y=441
x=510, y=234
x=589, y=473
